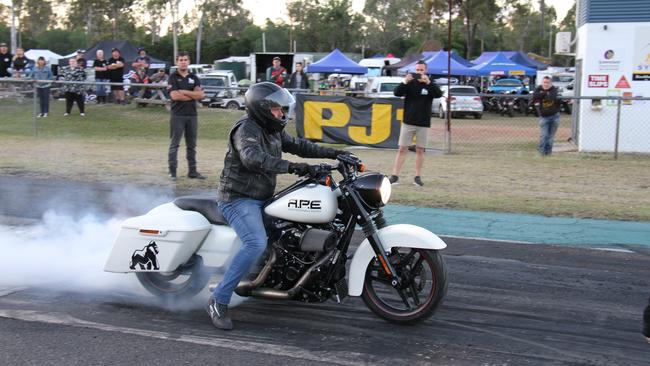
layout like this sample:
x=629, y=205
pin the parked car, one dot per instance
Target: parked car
x=229, y=75
x=464, y=100
x=198, y=69
x=382, y=86
x=503, y=86
x=217, y=96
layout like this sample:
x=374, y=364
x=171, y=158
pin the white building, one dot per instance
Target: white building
x=613, y=59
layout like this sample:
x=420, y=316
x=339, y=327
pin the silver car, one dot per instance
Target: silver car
x=465, y=101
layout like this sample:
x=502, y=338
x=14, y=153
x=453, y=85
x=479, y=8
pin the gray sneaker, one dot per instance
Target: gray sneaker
x=219, y=314
x=418, y=182
x=393, y=179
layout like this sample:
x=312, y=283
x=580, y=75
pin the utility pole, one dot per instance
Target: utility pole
x=542, y=10
x=13, y=28
x=174, y=6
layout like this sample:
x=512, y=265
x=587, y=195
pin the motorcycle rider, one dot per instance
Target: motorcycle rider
x=248, y=179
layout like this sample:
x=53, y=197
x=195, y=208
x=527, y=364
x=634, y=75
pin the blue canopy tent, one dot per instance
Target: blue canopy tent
x=337, y=62
x=437, y=65
x=454, y=55
x=516, y=56
x=500, y=64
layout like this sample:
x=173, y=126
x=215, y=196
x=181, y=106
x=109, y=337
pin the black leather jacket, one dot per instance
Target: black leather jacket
x=254, y=158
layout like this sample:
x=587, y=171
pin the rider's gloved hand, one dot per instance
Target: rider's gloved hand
x=340, y=152
x=303, y=169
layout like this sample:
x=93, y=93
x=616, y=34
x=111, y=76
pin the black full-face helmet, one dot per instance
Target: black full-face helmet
x=261, y=97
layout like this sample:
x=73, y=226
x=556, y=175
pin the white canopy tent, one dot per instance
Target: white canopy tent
x=50, y=57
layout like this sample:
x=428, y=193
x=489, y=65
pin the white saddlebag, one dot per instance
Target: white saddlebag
x=160, y=241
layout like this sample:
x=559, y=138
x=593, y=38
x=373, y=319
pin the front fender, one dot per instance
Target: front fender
x=401, y=235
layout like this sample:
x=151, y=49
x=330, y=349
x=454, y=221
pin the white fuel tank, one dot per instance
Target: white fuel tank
x=311, y=204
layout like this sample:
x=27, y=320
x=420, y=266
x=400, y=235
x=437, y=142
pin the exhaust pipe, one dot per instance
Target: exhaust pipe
x=244, y=287
x=268, y=293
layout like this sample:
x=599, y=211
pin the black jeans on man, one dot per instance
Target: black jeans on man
x=189, y=126
x=70, y=98
x=44, y=99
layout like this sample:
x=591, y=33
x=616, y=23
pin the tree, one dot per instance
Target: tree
x=475, y=14
x=36, y=17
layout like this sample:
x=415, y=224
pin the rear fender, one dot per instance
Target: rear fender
x=401, y=235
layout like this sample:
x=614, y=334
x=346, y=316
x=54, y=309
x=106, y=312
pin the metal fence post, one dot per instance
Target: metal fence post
x=34, y=111
x=618, y=127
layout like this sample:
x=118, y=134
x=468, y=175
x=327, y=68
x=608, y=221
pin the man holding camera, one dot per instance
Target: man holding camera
x=419, y=92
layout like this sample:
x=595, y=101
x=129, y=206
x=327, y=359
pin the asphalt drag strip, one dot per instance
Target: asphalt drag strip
x=507, y=304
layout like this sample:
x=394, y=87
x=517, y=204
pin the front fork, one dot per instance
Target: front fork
x=369, y=227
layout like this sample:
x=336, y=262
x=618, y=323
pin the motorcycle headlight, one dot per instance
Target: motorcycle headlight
x=374, y=189
x=385, y=190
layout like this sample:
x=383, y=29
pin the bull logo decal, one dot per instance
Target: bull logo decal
x=146, y=257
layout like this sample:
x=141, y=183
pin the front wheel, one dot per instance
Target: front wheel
x=423, y=277
x=185, y=282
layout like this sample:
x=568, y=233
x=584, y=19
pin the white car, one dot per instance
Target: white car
x=464, y=101
x=382, y=86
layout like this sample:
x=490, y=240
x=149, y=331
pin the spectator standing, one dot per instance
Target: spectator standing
x=6, y=59
x=142, y=61
x=298, y=80
x=276, y=73
x=42, y=72
x=549, y=111
x=116, y=75
x=185, y=90
x=19, y=63
x=101, y=76
x=73, y=92
x=419, y=92
x=81, y=60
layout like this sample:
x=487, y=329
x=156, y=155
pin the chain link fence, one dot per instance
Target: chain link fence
x=479, y=124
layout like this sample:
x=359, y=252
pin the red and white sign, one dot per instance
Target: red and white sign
x=598, y=81
x=622, y=83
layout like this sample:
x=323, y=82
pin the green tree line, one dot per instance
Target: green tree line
x=400, y=27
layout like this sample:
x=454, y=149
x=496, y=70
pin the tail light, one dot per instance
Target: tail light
x=478, y=99
x=453, y=99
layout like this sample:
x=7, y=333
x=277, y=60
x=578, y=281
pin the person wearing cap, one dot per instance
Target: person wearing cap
x=142, y=61
x=42, y=72
x=81, y=60
x=276, y=73
x=5, y=60
x=116, y=75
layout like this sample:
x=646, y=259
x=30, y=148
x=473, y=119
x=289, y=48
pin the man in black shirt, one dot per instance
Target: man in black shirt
x=5, y=60
x=81, y=60
x=546, y=96
x=101, y=76
x=116, y=75
x=142, y=61
x=185, y=90
x=419, y=92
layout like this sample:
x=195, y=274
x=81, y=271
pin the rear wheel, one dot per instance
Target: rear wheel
x=423, y=277
x=441, y=113
x=478, y=115
x=185, y=282
x=232, y=106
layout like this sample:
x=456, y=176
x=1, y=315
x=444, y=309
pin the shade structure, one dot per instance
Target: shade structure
x=454, y=55
x=49, y=56
x=501, y=65
x=336, y=61
x=516, y=56
x=127, y=50
x=437, y=65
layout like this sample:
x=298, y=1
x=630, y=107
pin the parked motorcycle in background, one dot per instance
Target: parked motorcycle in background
x=397, y=270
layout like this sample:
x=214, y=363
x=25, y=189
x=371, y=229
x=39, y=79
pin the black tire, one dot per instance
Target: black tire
x=162, y=285
x=511, y=111
x=478, y=116
x=232, y=106
x=427, y=259
x=441, y=113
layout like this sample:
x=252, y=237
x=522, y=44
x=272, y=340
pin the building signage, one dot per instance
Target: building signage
x=641, y=71
x=598, y=81
x=622, y=83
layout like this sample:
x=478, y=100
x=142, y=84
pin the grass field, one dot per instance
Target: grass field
x=120, y=144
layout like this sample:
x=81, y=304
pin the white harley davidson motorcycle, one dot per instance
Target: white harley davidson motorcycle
x=397, y=270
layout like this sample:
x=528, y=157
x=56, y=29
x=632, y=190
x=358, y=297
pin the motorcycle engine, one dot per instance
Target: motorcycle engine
x=298, y=247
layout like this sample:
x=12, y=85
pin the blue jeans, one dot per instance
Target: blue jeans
x=44, y=99
x=245, y=217
x=548, y=126
x=101, y=89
